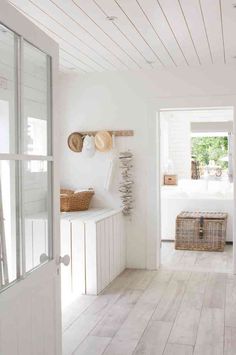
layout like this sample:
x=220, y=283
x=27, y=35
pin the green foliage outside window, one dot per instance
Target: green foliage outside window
x=205, y=149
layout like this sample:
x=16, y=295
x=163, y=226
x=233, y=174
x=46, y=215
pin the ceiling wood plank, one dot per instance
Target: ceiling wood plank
x=140, y=21
x=127, y=38
x=212, y=17
x=98, y=17
x=54, y=28
x=173, y=13
x=158, y=20
x=81, y=24
x=143, y=33
x=51, y=16
x=229, y=29
x=128, y=30
x=193, y=16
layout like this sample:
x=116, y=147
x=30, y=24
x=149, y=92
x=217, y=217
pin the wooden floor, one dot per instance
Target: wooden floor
x=195, y=260
x=185, y=308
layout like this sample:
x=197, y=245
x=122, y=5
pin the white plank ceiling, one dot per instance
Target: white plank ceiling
x=101, y=35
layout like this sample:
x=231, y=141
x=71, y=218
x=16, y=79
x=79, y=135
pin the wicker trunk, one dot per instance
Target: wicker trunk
x=204, y=231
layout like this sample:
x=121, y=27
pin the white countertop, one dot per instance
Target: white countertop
x=94, y=214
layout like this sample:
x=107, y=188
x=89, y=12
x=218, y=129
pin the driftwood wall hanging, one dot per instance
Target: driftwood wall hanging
x=126, y=184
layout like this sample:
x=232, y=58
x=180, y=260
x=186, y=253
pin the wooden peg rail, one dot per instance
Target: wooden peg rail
x=124, y=133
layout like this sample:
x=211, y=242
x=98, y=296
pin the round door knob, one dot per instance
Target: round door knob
x=65, y=260
x=43, y=258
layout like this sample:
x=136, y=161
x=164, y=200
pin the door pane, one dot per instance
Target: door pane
x=36, y=101
x=8, y=42
x=36, y=209
x=25, y=186
x=8, y=225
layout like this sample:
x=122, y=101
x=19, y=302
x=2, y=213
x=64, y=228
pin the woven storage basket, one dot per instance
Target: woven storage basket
x=204, y=231
x=75, y=201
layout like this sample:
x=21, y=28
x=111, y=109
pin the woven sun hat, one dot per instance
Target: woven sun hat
x=103, y=141
x=75, y=142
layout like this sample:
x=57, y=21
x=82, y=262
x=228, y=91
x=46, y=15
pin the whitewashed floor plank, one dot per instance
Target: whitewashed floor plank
x=230, y=307
x=73, y=311
x=210, y=337
x=126, y=339
x=154, y=338
x=170, y=302
x=195, y=290
x=112, y=322
x=120, y=347
x=117, y=314
x=156, y=288
x=230, y=341
x=142, y=279
x=92, y=345
x=178, y=349
x=84, y=324
x=129, y=297
x=185, y=327
x=215, y=291
x=76, y=333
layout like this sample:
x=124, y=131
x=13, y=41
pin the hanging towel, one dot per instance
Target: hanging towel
x=111, y=166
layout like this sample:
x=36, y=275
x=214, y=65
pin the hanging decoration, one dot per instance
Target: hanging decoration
x=126, y=185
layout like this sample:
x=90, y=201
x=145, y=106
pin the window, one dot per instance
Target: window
x=209, y=154
x=25, y=160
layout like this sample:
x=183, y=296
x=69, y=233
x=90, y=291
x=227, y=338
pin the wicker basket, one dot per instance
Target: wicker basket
x=75, y=201
x=204, y=231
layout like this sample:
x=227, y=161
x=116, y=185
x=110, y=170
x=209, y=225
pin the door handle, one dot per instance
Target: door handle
x=65, y=260
x=43, y=258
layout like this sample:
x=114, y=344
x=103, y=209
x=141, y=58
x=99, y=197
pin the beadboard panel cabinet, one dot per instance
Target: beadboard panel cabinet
x=105, y=251
x=95, y=241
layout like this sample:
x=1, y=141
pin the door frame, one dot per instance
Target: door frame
x=11, y=18
x=154, y=106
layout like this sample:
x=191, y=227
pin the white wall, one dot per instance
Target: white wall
x=179, y=144
x=126, y=100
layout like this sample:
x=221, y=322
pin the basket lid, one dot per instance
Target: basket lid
x=206, y=215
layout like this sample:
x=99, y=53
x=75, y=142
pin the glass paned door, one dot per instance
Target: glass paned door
x=25, y=160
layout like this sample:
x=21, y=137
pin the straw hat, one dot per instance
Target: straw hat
x=103, y=141
x=75, y=142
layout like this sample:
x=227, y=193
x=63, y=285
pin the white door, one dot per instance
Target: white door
x=30, y=304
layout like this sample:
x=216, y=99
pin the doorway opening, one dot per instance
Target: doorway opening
x=196, y=175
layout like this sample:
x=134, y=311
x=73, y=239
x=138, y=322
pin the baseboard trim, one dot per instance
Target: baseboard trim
x=172, y=241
